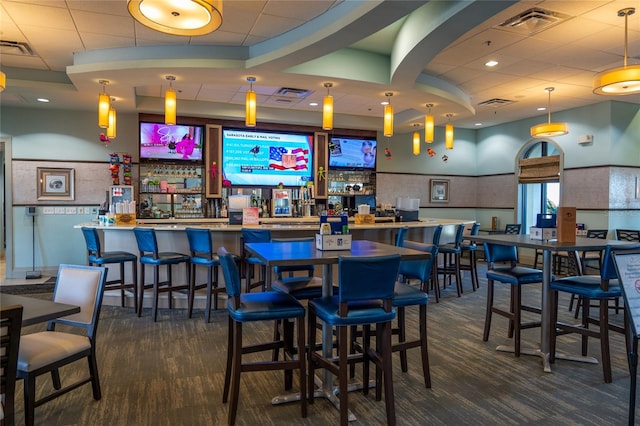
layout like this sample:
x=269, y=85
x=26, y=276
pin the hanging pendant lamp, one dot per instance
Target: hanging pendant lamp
x=416, y=140
x=624, y=80
x=111, y=129
x=448, y=133
x=549, y=129
x=104, y=104
x=388, y=116
x=3, y=81
x=327, y=109
x=170, y=103
x=428, y=125
x=250, y=105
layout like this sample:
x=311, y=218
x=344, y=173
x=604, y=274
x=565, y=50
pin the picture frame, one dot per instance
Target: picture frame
x=439, y=190
x=55, y=183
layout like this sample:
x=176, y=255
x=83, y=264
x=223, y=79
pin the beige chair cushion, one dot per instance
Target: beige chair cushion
x=78, y=287
x=47, y=347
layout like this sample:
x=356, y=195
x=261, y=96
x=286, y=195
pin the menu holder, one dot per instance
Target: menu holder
x=566, y=224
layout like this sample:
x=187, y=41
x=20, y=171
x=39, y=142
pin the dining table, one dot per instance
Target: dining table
x=38, y=310
x=548, y=247
x=293, y=253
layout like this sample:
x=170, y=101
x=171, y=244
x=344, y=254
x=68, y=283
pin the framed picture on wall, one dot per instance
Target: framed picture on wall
x=55, y=184
x=439, y=190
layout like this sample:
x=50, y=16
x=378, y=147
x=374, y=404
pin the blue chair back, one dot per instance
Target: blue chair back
x=459, y=234
x=475, y=228
x=401, y=236
x=420, y=269
x=250, y=235
x=200, y=240
x=146, y=239
x=367, y=278
x=608, y=270
x=436, y=235
x=92, y=239
x=230, y=272
x=499, y=253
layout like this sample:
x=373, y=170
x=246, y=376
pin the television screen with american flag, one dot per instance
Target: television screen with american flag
x=263, y=158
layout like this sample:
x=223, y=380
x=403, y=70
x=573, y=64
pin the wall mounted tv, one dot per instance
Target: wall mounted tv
x=179, y=142
x=355, y=153
x=266, y=158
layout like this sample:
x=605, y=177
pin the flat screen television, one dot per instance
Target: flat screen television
x=179, y=142
x=265, y=158
x=355, y=153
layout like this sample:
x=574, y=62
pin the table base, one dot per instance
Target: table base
x=546, y=364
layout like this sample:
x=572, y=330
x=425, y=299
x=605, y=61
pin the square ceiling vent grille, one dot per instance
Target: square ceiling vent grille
x=533, y=21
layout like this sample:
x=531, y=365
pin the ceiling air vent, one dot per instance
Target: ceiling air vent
x=495, y=103
x=289, y=92
x=8, y=47
x=533, y=21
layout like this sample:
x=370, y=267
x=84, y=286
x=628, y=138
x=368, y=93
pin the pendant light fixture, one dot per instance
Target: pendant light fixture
x=624, y=80
x=327, y=109
x=388, y=116
x=250, y=104
x=3, y=81
x=448, y=133
x=549, y=129
x=170, y=103
x=416, y=140
x=181, y=18
x=428, y=125
x=111, y=129
x=104, y=104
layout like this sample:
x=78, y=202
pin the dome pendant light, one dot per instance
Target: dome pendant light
x=250, y=105
x=549, y=129
x=428, y=125
x=327, y=109
x=623, y=80
x=170, y=103
x=388, y=116
x=104, y=104
x=181, y=18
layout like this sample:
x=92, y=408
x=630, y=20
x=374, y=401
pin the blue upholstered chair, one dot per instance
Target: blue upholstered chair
x=503, y=267
x=97, y=257
x=48, y=351
x=601, y=288
x=253, y=235
x=470, y=246
x=149, y=255
x=201, y=248
x=254, y=307
x=451, y=260
x=401, y=236
x=365, y=294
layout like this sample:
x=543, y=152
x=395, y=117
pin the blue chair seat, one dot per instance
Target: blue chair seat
x=515, y=275
x=405, y=295
x=200, y=260
x=587, y=286
x=112, y=257
x=165, y=258
x=327, y=310
x=269, y=305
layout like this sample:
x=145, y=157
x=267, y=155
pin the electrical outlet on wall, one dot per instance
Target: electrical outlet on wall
x=47, y=210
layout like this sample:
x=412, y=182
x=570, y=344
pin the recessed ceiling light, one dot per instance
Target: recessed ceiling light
x=313, y=104
x=541, y=108
x=491, y=63
x=384, y=103
x=45, y=100
x=478, y=124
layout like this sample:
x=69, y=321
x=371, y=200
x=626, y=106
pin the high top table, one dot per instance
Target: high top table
x=548, y=247
x=305, y=253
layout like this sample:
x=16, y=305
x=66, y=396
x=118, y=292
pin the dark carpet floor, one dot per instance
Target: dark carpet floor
x=172, y=372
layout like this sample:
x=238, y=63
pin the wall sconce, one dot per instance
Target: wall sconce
x=549, y=129
x=111, y=128
x=250, y=105
x=428, y=125
x=3, y=81
x=327, y=109
x=388, y=116
x=448, y=133
x=623, y=80
x=170, y=103
x=416, y=140
x=104, y=104
x=182, y=18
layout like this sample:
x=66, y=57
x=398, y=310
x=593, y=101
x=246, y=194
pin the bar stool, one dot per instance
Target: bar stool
x=470, y=246
x=250, y=235
x=201, y=247
x=96, y=257
x=149, y=255
x=451, y=260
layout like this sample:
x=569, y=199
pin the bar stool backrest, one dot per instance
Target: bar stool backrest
x=147, y=242
x=92, y=239
x=231, y=274
x=200, y=241
x=367, y=278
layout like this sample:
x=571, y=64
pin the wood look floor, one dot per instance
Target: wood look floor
x=172, y=372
